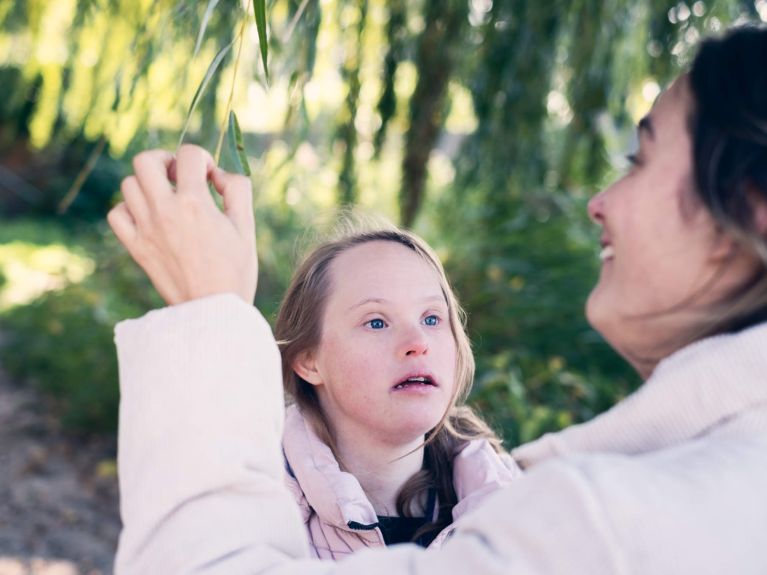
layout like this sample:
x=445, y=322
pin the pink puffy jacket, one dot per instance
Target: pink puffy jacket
x=331, y=499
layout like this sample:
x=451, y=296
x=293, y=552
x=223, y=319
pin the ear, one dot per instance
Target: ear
x=759, y=209
x=305, y=365
x=726, y=244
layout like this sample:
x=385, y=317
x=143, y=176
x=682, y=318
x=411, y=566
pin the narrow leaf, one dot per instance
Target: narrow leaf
x=204, y=84
x=203, y=26
x=236, y=146
x=259, y=7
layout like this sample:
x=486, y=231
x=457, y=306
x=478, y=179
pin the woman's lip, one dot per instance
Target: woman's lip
x=417, y=388
x=431, y=379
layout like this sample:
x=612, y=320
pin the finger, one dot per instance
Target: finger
x=237, y=192
x=134, y=199
x=123, y=225
x=193, y=167
x=151, y=169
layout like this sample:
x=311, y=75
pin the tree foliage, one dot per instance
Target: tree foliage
x=483, y=124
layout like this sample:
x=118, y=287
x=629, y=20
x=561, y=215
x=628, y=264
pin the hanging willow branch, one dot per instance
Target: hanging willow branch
x=228, y=108
x=230, y=124
x=347, y=131
x=434, y=60
x=396, y=33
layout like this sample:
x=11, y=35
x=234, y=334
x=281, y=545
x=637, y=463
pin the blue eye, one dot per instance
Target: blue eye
x=431, y=320
x=376, y=324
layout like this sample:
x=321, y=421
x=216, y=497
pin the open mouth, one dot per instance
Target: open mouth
x=419, y=381
x=607, y=253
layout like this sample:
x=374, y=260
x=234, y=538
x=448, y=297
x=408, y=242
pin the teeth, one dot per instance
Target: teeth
x=422, y=380
x=607, y=253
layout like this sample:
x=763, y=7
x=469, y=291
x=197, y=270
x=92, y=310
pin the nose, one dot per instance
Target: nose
x=596, y=207
x=414, y=343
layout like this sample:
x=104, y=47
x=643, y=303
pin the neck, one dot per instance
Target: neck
x=382, y=469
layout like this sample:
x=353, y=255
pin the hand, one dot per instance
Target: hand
x=187, y=246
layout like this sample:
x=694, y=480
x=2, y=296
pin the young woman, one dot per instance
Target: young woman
x=376, y=359
x=671, y=480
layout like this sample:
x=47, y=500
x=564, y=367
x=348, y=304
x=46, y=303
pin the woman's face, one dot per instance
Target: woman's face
x=386, y=364
x=661, y=248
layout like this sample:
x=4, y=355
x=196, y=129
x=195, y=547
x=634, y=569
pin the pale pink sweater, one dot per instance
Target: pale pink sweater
x=670, y=481
x=332, y=501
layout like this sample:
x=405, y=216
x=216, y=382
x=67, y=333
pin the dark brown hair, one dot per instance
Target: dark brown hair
x=728, y=125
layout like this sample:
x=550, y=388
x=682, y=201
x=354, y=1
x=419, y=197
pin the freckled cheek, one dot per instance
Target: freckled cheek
x=353, y=369
x=447, y=361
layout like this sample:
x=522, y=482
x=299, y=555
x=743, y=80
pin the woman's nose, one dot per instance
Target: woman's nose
x=596, y=207
x=414, y=343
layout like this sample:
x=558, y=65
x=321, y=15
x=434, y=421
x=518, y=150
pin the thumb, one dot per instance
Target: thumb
x=237, y=192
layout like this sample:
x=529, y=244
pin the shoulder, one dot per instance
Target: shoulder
x=708, y=464
x=478, y=470
x=480, y=452
x=294, y=487
x=294, y=436
x=646, y=512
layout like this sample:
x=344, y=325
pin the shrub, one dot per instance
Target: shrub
x=62, y=342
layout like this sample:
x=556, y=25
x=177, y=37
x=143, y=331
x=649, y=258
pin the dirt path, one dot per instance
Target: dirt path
x=58, y=493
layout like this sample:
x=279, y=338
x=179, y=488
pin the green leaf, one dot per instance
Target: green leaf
x=259, y=7
x=236, y=146
x=206, y=17
x=204, y=84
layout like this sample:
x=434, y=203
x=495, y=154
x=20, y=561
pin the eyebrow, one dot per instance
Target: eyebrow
x=645, y=124
x=379, y=300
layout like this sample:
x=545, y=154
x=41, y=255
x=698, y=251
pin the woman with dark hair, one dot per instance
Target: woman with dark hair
x=670, y=480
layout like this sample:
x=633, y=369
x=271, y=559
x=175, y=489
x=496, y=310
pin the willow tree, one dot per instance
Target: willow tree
x=553, y=90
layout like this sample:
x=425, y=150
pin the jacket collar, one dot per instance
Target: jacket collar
x=690, y=393
x=478, y=470
x=337, y=496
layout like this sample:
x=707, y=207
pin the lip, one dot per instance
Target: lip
x=607, y=252
x=416, y=373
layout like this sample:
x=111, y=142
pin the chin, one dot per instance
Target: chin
x=410, y=429
x=601, y=317
x=593, y=309
x=620, y=336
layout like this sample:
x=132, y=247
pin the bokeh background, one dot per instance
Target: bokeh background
x=483, y=125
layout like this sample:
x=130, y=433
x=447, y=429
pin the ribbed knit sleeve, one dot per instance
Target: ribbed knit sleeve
x=201, y=417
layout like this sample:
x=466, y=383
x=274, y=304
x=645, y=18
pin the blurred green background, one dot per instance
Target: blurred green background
x=484, y=125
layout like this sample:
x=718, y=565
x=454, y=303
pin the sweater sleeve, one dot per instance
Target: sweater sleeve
x=202, y=484
x=200, y=465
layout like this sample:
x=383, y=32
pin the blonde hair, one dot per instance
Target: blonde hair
x=299, y=329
